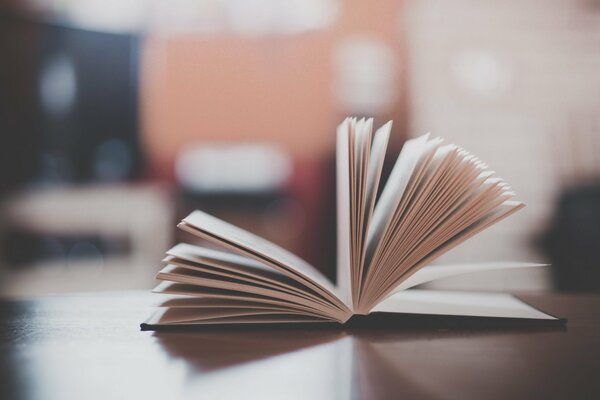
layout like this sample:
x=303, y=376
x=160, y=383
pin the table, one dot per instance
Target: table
x=89, y=346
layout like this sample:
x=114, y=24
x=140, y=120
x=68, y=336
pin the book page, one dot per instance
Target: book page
x=393, y=191
x=506, y=209
x=176, y=315
x=443, y=196
x=253, y=246
x=225, y=280
x=224, y=292
x=222, y=232
x=438, y=302
x=170, y=317
x=360, y=159
x=342, y=155
x=378, y=149
x=201, y=258
x=210, y=303
x=189, y=294
x=433, y=272
x=373, y=176
x=200, y=254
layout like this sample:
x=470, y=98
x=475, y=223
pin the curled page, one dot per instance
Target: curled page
x=250, y=245
x=434, y=272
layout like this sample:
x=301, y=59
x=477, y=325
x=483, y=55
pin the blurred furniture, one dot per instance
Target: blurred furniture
x=572, y=241
x=68, y=103
x=90, y=346
x=85, y=238
x=70, y=141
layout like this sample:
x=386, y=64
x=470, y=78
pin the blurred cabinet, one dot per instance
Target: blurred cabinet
x=85, y=238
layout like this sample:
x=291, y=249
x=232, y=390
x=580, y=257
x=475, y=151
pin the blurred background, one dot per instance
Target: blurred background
x=119, y=117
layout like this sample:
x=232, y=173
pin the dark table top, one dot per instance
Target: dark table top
x=90, y=346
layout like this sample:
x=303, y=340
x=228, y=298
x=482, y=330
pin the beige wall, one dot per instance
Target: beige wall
x=516, y=82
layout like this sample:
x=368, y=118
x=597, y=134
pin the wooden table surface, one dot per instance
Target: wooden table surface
x=90, y=347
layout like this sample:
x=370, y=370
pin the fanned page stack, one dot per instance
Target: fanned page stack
x=437, y=196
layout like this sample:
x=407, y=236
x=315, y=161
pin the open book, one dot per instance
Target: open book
x=437, y=196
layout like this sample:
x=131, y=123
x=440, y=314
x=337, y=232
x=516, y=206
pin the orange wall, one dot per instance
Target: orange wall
x=210, y=87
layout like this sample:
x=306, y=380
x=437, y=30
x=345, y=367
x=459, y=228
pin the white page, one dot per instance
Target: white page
x=439, y=302
x=374, y=168
x=376, y=159
x=251, y=245
x=207, y=302
x=156, y=319
x=244, y=240
x=503, y=211
x=182, y=315
x=200, y=254
x=433, y=272
x=393, y=191
x=282, y=284
x=190, y=293
x=189, y=271
x=343, y=212
x=173, y=274
x=201, y=258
